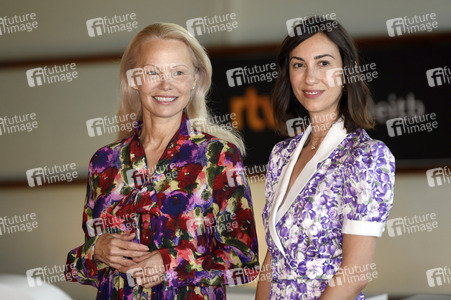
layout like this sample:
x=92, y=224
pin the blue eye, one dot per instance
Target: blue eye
x=151, y=72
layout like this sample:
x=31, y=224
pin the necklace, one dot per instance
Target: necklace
x=313, y=147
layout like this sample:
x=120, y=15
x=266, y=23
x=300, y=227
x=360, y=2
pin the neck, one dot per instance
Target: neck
x=157, y=132
x=320, y=123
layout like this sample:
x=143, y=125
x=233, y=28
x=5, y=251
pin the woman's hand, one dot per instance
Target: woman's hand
x=112, y=248
x=149, y=269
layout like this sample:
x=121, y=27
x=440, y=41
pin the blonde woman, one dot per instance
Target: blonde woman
x=173, y=224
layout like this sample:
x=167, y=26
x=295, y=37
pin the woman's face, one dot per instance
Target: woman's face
x=309, y=63
x=168, y=80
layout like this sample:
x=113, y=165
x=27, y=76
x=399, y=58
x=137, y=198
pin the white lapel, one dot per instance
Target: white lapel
x=281, y=188
x=333, y=138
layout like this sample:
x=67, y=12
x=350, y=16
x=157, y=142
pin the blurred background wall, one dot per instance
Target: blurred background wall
x=62, y=110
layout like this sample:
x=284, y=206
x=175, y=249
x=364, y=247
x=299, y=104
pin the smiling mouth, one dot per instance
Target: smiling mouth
x=312, y=93
x=164, y=99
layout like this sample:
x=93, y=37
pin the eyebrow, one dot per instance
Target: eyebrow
x=167, y=66
x=316, y=57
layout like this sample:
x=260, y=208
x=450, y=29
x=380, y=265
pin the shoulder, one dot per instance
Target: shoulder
x=365, y=151
x=107, y=155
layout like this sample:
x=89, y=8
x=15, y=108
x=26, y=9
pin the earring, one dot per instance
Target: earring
x=193, y=87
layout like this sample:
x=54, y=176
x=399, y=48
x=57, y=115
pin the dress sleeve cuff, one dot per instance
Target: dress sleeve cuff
x=94, y=264
x=362, y=228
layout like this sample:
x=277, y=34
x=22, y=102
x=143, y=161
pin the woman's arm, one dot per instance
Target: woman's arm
x=355, y=269
x=264, y=280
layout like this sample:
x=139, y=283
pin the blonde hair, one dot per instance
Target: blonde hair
x=197, y=106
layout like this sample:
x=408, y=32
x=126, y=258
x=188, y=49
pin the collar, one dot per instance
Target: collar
x=337, y=133
x=137, y=153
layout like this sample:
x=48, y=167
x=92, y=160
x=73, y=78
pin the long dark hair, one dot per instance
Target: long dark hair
x=353, y=102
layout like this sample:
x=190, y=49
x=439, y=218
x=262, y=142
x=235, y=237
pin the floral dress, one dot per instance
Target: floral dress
x=195, y=208
x=346, y=188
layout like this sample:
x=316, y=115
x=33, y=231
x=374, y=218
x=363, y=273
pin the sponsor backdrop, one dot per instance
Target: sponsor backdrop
x=59, y=66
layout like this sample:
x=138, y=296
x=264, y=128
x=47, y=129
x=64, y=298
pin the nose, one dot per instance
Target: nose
x=311, y=76
x=165, y=81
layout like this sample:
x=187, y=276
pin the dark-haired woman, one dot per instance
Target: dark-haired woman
x=329, y=189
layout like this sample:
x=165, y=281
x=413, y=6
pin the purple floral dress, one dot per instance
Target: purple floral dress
x=346, y=188
x=195, y=208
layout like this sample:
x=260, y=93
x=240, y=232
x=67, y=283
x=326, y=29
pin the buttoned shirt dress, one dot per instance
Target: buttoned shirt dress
x=346, y=188
x=195, y=208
